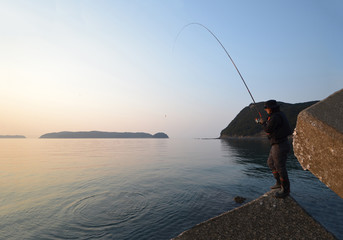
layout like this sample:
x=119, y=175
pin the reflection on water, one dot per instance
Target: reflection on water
x=138, y=188
x=254, y=154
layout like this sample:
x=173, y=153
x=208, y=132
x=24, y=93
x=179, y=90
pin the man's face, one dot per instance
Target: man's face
x=268, y=110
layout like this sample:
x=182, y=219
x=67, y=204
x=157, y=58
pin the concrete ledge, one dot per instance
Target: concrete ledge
x=263, y=218
x=318, y=141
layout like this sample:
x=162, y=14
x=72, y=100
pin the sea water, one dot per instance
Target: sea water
x=139, y=188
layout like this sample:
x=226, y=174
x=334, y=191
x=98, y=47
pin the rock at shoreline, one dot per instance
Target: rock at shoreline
x=239, y=199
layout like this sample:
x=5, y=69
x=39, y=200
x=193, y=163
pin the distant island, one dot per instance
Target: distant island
x=12, y=136
x=98, y=134
x=244, y=125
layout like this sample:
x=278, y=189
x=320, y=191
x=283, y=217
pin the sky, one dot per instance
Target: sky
x=120, y=66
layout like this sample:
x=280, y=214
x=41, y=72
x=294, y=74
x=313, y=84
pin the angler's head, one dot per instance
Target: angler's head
x=271, y=106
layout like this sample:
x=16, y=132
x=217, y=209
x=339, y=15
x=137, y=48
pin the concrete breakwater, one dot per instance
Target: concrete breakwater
x=263, y=218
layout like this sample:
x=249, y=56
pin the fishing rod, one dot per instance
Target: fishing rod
x=246, y=86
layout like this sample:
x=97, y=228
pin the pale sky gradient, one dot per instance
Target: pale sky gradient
x=112, y=65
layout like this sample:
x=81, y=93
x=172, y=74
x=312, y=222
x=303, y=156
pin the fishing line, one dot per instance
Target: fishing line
x=246, y=86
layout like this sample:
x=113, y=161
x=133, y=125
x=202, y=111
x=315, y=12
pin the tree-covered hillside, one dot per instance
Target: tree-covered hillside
x=244, y=125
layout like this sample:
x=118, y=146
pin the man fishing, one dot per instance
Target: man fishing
x=278, y=129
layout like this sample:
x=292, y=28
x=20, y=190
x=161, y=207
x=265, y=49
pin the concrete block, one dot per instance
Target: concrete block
x=318, y=141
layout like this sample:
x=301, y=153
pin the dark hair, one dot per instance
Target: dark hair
x=271, y=104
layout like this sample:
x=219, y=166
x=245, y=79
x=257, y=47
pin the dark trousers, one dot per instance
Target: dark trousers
x=278, y=157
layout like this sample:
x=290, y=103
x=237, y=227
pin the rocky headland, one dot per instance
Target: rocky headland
x=244, y=125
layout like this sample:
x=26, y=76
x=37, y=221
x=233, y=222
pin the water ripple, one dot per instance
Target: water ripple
x=107, y=209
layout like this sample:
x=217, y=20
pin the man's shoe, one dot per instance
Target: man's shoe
x=282, y=193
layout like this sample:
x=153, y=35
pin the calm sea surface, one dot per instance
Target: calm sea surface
x=139, y=188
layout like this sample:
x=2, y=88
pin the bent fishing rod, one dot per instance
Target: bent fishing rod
x=227, y=53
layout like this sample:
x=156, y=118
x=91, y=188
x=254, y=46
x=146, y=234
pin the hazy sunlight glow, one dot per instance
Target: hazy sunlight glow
x=109, y=65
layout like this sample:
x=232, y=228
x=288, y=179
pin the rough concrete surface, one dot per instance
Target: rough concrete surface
x=318, y=141
x=263, y=218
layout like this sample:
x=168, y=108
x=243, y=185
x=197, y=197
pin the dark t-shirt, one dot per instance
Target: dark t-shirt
x=277, y=127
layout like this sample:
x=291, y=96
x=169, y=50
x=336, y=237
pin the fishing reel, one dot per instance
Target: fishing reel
x=259, y=120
